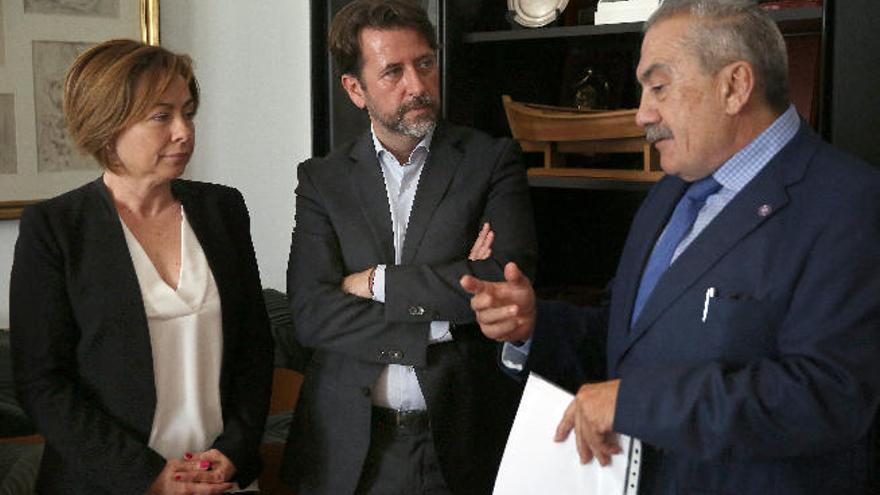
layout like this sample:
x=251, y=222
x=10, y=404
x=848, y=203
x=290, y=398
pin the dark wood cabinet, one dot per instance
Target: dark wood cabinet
x=852, y=68
x=487, y=58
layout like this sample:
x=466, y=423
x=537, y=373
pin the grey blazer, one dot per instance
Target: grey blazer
x=343, y=225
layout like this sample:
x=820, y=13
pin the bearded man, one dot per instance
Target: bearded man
x=403, y=394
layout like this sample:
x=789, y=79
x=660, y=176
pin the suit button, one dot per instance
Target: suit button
x=366, y=391
x=383, y=354
x=416, y=311
x=397, y=355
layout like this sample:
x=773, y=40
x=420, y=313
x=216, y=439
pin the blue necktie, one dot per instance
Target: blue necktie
x=679, y=225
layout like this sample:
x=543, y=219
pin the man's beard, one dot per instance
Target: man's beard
x=417, y=128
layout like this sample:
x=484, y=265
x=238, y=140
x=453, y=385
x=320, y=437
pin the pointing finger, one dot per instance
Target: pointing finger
x=513, y=274
x=472, y=284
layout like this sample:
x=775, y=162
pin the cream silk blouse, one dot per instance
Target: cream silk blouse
x=187, y=345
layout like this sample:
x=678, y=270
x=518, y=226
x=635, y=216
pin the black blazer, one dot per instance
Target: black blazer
x=343, y=225
x=81, y=346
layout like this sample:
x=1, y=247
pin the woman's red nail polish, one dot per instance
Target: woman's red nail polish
x=204, y=464
x=176, y=477
x=187, y=456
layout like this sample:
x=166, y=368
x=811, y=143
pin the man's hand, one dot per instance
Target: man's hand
x=591, y=414
x=482, y=247
x=505, y=310
x=358, y=284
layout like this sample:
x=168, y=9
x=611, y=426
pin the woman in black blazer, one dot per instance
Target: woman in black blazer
x=140, y=342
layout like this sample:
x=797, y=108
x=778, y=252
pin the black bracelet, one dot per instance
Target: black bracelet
x=370, y=279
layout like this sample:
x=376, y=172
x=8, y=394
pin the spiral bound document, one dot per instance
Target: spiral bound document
x=533, y=464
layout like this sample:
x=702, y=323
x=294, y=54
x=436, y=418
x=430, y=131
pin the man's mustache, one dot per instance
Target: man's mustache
x=421, y=101
x=656, y=132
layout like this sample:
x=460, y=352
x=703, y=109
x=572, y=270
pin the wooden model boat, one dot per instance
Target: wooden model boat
x=555, y=131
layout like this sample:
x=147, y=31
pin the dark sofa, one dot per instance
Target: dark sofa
x=19, y=456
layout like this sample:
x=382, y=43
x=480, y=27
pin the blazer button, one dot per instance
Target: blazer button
x=383, y=354
x=366, y=391
x=397, y=355
x=416, y=311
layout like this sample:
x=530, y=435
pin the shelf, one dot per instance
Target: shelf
x=552, y=32
x=799, y=14
x=783, y=16
x=588, y=183
x=573, y=178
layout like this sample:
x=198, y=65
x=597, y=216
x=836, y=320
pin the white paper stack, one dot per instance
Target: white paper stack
x=618, y=11
x=533, y=464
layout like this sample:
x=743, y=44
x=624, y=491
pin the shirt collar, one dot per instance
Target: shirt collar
x=424, y=144
x=742, y=167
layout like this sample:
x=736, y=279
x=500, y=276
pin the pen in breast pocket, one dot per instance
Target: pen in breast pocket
x=710, y=294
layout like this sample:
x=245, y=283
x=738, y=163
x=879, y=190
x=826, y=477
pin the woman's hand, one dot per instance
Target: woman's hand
x=207, y=473
x=213, y=466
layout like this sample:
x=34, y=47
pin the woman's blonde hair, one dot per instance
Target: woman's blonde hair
x=112, y=85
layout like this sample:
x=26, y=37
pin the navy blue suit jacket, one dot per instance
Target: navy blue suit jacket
x=776, y=390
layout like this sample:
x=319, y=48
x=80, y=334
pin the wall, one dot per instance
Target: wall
x=8, y=234
x=254, y=125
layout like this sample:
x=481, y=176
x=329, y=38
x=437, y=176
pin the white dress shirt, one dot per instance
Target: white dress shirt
x=398, y=387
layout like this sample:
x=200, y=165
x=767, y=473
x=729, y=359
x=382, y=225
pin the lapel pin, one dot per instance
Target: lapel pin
x=765, y=210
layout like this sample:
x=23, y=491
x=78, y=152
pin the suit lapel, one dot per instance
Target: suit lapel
x=761, y=199
x=433, y=184
x=202, y=226
x=368, y=185
x=645, y=229
x=118, y=279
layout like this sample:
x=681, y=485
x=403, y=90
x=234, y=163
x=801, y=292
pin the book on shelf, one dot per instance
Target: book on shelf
x=619, y=11
x=789, y=4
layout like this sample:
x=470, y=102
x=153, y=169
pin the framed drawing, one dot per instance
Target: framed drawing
x=38, y=41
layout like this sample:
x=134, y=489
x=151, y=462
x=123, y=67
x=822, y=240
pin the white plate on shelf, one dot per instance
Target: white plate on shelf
x=535, y=13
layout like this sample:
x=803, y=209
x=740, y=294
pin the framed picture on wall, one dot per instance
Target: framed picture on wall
x=39, y=39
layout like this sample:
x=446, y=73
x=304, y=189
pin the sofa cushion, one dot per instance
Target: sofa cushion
x=288, y=352
x=13, y=421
